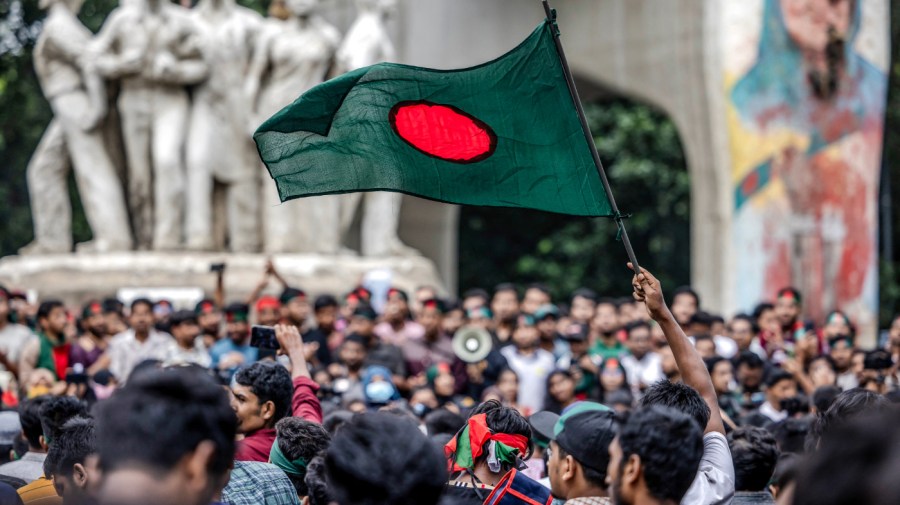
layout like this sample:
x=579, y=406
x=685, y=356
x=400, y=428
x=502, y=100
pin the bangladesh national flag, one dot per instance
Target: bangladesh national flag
x=504, y=133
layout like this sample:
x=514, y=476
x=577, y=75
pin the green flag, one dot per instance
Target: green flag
x=504, y=133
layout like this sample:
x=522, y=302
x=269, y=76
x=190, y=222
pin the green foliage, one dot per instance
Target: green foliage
x=642, y=153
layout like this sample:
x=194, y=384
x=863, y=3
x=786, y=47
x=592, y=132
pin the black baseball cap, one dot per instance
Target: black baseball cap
x=584, y=431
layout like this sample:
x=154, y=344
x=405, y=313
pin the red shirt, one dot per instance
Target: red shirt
x=257, y=445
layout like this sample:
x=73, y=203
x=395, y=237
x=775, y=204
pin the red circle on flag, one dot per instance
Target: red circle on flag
x=443, y=131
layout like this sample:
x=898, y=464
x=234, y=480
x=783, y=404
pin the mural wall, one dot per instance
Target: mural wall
x=806, y=89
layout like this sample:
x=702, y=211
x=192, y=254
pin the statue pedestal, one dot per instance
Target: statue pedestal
x=181, y=276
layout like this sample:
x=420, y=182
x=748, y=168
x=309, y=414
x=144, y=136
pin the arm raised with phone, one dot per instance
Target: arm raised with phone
x=304, y=404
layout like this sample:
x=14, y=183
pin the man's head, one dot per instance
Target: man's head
x=380, y=458
x=780, y=385
x=166, y=437
x=656, y=454
x=431, y=316
x=525, y=336
x=680, y=397
x=396, y=309
x=32, y=429
x=141, y=316
x=4, y=305
x=546, y=318
x=583, y=306
x=362, y=321
x=297, y=442
x=685, y=303
x=755, y=454
x=721, y=373
x=505, y=303
x=740, y=329
x=535, y=296
x=606, y=317
x=353, y=352
x=788, y=304
x=55, y=412
x=261, y=395
x=639, y=340
x=579, y=454
x=705, y=345
x=67, y=462
x=268, y=310
x=208, y=317
x=325, y=310
x=841, y=351
x=750, y=371
x=92, y=319
x=183, y=326
x=51, y=317
x=237, y=325
x=294, y=306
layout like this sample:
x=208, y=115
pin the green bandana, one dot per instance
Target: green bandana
x=277, y=458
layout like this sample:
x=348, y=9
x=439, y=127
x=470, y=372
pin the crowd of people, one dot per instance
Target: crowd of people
x=590, y=401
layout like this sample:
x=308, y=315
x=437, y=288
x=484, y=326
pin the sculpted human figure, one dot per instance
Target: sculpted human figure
x=77, y=97
x=367, y=42
x=151, y=47
x=219, y=150
x=292, y=56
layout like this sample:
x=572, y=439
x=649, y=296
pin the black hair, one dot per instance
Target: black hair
x=540, y=287
x=785, y=470
x=878, y=359
x=848, y=405
x=607, y=301
x=380, y=458
x=30, y=418
x=324, y=301
x=791, y=433
x=777, y=375
x=443, y=421
x=686, y=290
x=680, y=397
x=669, y=445
x=744, y=317
x=160, y=416
x=56, y=411
x=477, y=293
x=824, y=396
x=635, y=325
x=269, y=382
x=141, y=301
x=112, y=306
x=596, y=476
x=751, y=359
x=856, y=462
x=586, y=293
x=77, y=440
x=46, y=307
x=712, y=362
x=334, y=421
x=704, y=318
x=301, y=439
x=316, y=485
x=506, y=286
x=754, y=453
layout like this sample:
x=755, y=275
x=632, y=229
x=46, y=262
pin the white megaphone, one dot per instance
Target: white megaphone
x=472, y=344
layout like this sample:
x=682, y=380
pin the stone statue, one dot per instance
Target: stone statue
x=77, y=96
x=368, y=43
x=290, y=57
x=218, y=148
x=152, y=47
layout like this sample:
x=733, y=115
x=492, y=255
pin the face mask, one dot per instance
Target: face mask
x=421, y=410
x=379, y=392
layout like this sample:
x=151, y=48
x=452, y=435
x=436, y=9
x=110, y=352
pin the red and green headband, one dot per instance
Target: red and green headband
x=466, y=447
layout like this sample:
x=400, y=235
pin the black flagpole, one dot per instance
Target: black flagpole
x=551, y=17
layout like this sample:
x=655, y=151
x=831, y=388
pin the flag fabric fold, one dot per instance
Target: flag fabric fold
x=503, y=133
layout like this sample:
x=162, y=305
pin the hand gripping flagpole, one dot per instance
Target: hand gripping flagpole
x=617, y=216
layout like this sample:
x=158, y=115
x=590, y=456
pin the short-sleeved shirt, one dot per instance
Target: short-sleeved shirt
x=604, y=351
x=255, y=483
x=126, y=352
x=532, y=370
x=410, y=330
x=420, y=354
x=714, y=483
x=13, y=338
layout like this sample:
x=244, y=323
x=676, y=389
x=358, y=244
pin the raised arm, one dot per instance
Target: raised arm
x=304, y=404
x=647, y=289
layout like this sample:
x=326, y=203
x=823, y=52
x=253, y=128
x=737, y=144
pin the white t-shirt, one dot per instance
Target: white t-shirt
x=13, y=338
x=646, y=370
x=714, y=483
x=532, y=371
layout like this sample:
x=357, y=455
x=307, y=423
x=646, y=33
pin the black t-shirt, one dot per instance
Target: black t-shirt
x=323, y=354
x=458, y=495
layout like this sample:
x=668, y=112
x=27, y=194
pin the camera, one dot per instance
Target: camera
x=217, y=267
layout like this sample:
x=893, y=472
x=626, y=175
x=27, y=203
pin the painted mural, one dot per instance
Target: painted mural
x=805, y=130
